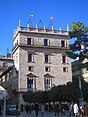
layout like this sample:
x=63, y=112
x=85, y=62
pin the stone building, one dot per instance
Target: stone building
x=5, y=62
x=40, y=58
x=79, y=72
x=40, y=61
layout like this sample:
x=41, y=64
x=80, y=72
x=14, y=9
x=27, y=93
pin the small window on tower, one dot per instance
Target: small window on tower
x=62, y=43
x=45, y=42
x=31, y=68
x=63, y=59
x=46, y=58
x=29, y=41
x=65, y=69
x=29, y=57
x=47, y=68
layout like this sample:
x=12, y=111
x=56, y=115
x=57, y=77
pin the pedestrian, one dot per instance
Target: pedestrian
x=36, y=109
x=71, y=110
x=62, y=110
x=21, y=107
x=30, y=108
x=81, y=112
x=16, y=110
x=76, y=110
x=56, y=109
x=42, y=109
x=26, y=107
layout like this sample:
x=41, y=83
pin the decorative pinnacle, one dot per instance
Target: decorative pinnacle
x=44, y=27
x=28, y=25
x=52, y=27
x=67, y=28
x=36, y=26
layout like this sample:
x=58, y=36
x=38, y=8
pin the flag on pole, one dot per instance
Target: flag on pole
x=51, y=18
x=31, y=15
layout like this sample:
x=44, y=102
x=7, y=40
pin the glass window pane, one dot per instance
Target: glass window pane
x=45, y=42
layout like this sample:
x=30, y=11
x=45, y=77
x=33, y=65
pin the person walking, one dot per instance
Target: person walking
x=76, y=110
x=42, y=109
x=36, y=109
x=56, y=109
x=21, y=108
x=71, y=109
x=26, y=107
x=16, y=110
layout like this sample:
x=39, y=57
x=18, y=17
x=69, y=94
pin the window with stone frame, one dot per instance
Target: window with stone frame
x=47, y=68
x=31, y=68
x=45, y=42
x=47, y=84
x=64, y=59
x=29, y=41
x=46, y=58
x=30, y=84
x=65, y=69
x=62, y=43
x=30, y=57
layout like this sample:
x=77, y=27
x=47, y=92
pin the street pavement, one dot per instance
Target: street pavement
x=46, y=114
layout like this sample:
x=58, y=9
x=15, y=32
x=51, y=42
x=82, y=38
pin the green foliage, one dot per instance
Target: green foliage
x=67, y=92
x=77, y=26
x=78, y=34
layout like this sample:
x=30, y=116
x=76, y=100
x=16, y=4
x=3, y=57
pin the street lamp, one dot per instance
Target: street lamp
x=83, y=47
x=81, y=99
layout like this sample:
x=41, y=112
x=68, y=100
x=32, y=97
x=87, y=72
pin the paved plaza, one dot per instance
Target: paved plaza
x=46, y=114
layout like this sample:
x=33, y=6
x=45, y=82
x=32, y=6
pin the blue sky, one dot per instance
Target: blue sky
x=64, y=12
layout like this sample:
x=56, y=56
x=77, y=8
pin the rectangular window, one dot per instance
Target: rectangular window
x=47, y=68
x=63, y=59
x=46, y=58
x=65, y=69
x=5, y=64
x=29, y=57
x=29, y=41
x=5, y=77
x=47, y=84
x=30, y=84
x=31, y=68
x=62, y=43
x=45, y=42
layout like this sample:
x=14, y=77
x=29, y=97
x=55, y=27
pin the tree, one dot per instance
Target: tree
x=79, y=34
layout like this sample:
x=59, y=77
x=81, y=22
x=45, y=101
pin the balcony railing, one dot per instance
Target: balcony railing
x=41, y=30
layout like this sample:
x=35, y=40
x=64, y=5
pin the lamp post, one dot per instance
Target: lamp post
x=83, y=47
x=81, y=99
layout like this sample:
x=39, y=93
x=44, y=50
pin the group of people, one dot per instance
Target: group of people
x=77, y=110
x=35, y=108
x=58, y=108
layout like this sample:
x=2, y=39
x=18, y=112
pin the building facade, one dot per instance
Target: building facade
x=79, y=72
x=40, y=58
x=5, y=62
